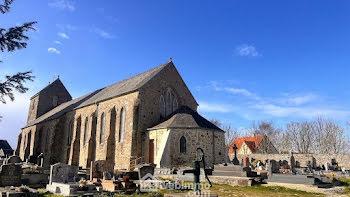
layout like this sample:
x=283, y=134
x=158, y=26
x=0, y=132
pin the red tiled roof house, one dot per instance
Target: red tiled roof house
x=253, y=144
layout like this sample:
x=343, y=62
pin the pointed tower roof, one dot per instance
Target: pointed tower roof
x=50, y=85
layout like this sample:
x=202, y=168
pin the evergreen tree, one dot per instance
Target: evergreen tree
x=10, y=40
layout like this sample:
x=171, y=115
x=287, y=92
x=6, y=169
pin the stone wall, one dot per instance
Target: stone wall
x=32, y=111
x=122, y=151
x=167, y=79
x=167, y=146
x=321, y=159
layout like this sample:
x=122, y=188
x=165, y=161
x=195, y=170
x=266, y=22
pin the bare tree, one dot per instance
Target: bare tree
x=329, y=137
x=268, y=129
x=301, y=136
x=230, y=133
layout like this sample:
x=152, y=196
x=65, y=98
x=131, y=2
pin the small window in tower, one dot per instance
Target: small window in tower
x=54, y=101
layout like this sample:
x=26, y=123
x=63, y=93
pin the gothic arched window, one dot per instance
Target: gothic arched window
x=102, y=129
x=161, y=107
x=86, y=128
x=70, y=132
x=122, y=125
x=183, y=144
x=168, y=103
x=175, y=104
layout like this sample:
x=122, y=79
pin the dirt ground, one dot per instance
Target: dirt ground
x=312, y=189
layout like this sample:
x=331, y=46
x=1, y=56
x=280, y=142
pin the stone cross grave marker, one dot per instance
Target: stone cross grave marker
x=235, y=159
x=99, y=167
x=63, y=173
x=40, y=160
x=10, y=175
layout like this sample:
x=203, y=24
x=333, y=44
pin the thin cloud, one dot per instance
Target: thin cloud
x=53, y=50
x=238, y=91
x=66, y=27
x=104, y=34
x=214, y=107
x=63, y=5
x=57, y=42
x=299, y=112
x=303, y=99
x=247, y=50
x=63, y=35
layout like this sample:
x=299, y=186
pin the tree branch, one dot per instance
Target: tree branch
x=5, y=7
x=14, y=82
x=14, y=37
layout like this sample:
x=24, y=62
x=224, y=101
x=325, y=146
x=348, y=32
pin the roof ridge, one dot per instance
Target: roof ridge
x=134, y=76
x=102, y=93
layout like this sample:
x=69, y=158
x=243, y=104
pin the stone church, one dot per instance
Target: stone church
x=148, y=118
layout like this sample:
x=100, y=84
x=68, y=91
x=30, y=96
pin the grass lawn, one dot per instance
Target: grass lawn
x=227, y=190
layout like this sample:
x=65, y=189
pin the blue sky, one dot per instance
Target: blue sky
x=242, y=60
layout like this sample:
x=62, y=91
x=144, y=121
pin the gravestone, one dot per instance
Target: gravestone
x=107, y=175
x=145, y=169
x=268, y=167
x=313, y=163
x=32, y=159
x=326, y=166
x=292, y=163
x=10, y=175
x=63, y=173
x=275, y=167
x=98, y=167
x=235, y=159
x=14, y=159
x=246, y=162
x=334, y=162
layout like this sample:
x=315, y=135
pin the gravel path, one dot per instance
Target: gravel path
x=309, y=188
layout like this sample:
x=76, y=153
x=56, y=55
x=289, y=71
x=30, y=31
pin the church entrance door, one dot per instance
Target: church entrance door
x=151, y=151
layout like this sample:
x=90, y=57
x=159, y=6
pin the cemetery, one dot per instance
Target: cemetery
x=26, y=177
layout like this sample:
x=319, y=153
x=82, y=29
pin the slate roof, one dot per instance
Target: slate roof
x=126, y=86
x=49, y=85
x=252, y=142
x=4, y=145
x=185, y=117
x=120, y=88
x=62, y=109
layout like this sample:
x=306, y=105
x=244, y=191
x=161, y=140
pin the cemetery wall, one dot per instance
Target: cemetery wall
x=321, y=159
